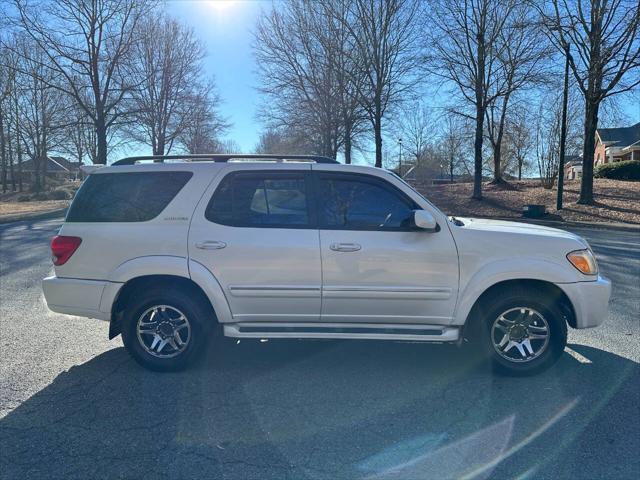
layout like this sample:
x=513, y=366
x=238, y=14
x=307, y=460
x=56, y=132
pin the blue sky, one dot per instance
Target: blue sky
x=226, y=28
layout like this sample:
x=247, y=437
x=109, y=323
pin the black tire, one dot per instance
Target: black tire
x=514, y=300
x=196, y=310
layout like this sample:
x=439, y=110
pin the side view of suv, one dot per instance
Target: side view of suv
x=175, y=251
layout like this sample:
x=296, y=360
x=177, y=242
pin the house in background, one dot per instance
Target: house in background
x=617, y=144
x=57, y=167
x=573, y=167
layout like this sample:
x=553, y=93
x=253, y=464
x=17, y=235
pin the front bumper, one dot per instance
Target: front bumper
x=590, y=301
x=84, y=298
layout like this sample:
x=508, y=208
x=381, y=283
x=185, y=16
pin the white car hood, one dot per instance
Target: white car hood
x=502, y=226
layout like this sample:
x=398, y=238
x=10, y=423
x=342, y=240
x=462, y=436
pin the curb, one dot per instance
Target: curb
x=60, y=212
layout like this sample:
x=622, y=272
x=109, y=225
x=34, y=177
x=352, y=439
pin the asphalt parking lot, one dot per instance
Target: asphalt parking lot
x=74, y=405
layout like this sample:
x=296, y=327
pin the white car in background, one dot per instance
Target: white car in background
x=173, y=252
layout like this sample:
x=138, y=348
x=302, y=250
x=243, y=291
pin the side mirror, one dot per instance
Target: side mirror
x=425, y=221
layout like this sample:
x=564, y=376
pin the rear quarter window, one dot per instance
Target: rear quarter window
x=125, y=197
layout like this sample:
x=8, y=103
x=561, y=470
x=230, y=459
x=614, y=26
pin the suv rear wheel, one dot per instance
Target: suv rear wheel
x=164, y=330
x=524, y=332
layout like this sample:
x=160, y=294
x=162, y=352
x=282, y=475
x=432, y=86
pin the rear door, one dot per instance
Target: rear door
x=256, y=232
x=376, y=267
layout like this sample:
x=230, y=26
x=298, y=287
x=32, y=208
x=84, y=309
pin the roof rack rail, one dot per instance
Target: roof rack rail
x=224, y=157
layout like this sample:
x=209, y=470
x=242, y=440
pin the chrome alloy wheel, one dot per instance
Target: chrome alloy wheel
x=163, y=331
x=520, y=334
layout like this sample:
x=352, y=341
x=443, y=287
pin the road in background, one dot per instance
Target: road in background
x=74, y=405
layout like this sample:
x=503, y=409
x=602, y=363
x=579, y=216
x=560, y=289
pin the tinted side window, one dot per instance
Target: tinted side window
x=349, y=202
x=260, y=200
x=125, y=197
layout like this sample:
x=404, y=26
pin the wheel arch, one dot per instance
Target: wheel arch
x=144, y=282
x=472, y=319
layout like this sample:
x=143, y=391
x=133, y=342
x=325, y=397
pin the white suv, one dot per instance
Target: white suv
x=303, y=247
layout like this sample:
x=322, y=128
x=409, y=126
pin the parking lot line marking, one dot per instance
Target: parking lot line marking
x=577, y=356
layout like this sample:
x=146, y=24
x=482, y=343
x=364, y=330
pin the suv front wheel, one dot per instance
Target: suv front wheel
x=163, y=330
x=524, y=332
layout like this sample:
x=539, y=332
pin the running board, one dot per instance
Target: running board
x=419, y=333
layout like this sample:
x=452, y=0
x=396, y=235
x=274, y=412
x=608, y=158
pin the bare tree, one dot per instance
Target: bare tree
x=202, y=133
x=334, y=35
x=87, y=44
x=79, y=141
x=41, y=109
x=17, y=122
x=384, y=37
x=10, y=110
x=520, y=56
x=282, y=141
x=603, y=39
x=416, y=130
x=168, y=71
x=519, y=140
x=296, y=57
x=467, y=46
x=547, y=135
x=5, y=92
x=453, y=141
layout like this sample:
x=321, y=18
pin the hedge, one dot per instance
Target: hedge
x=627, y=170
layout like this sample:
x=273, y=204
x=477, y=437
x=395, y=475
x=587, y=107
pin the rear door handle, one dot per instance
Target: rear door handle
x=211, y=245
x=345, y=247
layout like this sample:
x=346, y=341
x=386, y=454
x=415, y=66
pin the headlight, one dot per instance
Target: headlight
x=584, y=261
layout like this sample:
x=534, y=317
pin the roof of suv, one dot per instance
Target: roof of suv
x=227, y=157
x=207, y=161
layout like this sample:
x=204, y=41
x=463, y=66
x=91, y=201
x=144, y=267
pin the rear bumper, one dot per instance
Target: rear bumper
x=84, y=298
x=590, y=301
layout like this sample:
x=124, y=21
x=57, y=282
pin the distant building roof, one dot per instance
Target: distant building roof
x=620, y=137
x=54, y=164
x=69, y=165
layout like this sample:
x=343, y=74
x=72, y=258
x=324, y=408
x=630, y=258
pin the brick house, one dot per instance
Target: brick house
x=617, y=144
x=57, y=167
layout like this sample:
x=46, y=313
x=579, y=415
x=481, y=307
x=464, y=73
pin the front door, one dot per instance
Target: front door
x=258, y=237
x=377, y=268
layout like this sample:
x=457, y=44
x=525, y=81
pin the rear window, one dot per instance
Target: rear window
x=125, y=197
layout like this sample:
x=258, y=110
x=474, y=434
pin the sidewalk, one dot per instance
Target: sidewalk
x=59, y=212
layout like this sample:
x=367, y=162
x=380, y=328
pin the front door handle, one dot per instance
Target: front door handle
x=345, y=247
x=211, y=245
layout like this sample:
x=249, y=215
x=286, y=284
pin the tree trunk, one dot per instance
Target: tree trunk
x=159, y=147
x=45, y=152
x=44, y=164
x=347, y=145
x=11, y=169
x=101, y=136
x=19, y=152
x=497, y=149
x=590, y=126
x=519, y=169
x=497, y=163
x=480, y=112
x=35, y=183
x=477, y=154
x=377, y=128
x=451, y=168
x=3, y=153
x=18, y=144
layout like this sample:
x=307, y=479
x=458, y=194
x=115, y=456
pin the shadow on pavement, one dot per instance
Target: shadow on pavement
x=290, y=409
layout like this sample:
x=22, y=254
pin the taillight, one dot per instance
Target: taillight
x=63, y=247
